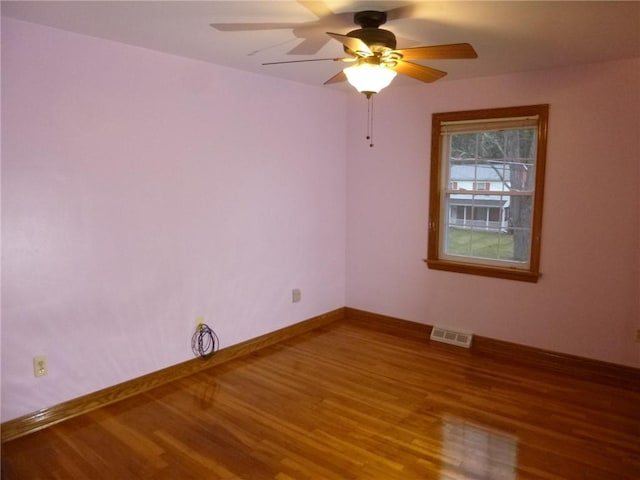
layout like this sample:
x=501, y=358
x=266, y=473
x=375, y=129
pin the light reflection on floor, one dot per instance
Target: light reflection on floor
x=472, y=451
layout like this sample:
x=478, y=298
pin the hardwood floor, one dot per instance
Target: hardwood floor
x=349, y=402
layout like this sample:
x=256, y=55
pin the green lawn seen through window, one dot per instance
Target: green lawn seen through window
x=480, y=244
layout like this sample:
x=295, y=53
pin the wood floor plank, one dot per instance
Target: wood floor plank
x=347, y=402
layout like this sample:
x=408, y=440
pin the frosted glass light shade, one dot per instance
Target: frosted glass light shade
x=369, y=78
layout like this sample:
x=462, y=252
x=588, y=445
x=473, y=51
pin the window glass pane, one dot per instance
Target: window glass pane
x=491, y=226
x=478, y=226
x=520, y=211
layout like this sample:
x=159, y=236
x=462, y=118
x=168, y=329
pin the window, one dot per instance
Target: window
x=490, y=223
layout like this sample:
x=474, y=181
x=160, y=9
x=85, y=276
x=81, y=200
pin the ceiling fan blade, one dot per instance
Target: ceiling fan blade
x=243, y=27
x=401, y=12
x=338, y=77
x=309, y=46
x=319, y=9
x=439, y=52
x=419, y=72
x=312, y=32
x=354, y=44
x=347, y=59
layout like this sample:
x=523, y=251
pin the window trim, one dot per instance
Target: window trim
x=434, y=260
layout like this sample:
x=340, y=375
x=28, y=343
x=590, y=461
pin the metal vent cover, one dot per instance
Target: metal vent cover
x=460, y=339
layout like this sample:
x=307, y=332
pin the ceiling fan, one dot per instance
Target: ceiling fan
x=376, y=61
x=313, y=32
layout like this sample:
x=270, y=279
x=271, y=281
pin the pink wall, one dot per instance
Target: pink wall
x=586, y=302
x=141, y=190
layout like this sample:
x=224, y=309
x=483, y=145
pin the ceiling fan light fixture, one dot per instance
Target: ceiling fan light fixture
x=369, y=78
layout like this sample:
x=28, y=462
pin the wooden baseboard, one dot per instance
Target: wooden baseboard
x=387, y=324
x=49, y=416
x=561, y=363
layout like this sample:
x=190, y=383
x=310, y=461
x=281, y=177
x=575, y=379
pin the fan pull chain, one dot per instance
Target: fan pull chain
x=370, y=120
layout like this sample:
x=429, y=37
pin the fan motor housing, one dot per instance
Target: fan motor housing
x=370, y=18
x=375, y=37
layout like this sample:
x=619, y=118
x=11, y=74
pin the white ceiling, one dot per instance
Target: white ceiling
x=509, y=36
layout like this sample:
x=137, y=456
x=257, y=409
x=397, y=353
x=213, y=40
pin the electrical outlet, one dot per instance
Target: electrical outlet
x=40, y=366
x=296, y=295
